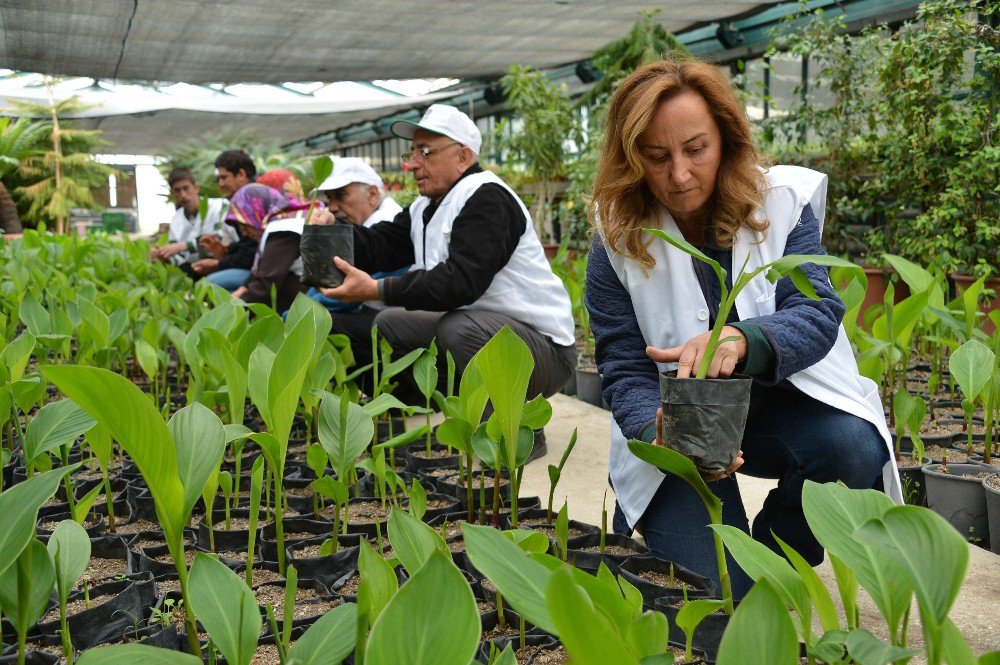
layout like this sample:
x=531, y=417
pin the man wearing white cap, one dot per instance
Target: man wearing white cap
x=355, y=194
x=477, y=263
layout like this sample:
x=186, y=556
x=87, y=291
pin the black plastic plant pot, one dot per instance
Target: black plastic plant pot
x=332, y=570
x=707, y=635
x=31, y=657
x=703, y=419
x=294, y=525
x=441, y=456
x=639, y=571
x=108, y=620
x=320, y=243
x=991, y=486
x=439, y=504
x=588, y=386
x=914, y=485
x=533, y=643
x=224, y=539
x=587, y=557
x=958, y=497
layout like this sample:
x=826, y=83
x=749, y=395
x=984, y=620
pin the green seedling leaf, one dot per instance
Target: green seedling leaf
x=679, y=465
x=404, y=439
x=226, y=483
x=345, y=430
x=647, y=634
x=200, y=441
x=691, y=250
x=384, y=403
x=55, y=425
x=760, y=631
x=955, y=649
x=15, y=356
x=456, y=433
x=316, y=459
x=505, y=363
x=147, y=358
x=143, y=435
x=972, y=366
x=332, y=489
x=802, y=283
x=418, y=500
x=472, y=395
x=866, y=649
x=930, y=551
x=537, y=413
x=532, y=542
x=378, y=580
x=236, y=432
x=915, y=277
x=413, y=541
x=425, y=372
x=821, y=598
x=760, y=562
x=19, y=506
x=130, y=654
x=24, y=605
x=82, y=506
x=586, y=633
x=227, y=608
x=506, y=656
x=69, y=548
x=447, y=636
x=485, y=448
x=520, y=579
x=830, y=648
x=833, y=513
x=693, y=612
x=328, y=641
x=322, y=167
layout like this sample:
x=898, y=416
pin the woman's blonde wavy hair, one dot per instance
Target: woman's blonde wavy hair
x=621, y=197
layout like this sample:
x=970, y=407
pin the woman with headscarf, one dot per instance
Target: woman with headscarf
x=285, y=182
x=266, y=214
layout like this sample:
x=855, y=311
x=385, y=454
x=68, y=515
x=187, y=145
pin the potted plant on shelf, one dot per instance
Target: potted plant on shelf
x=704, y=419
x=545, y=126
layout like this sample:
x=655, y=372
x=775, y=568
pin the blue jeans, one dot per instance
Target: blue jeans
x=793, y=438
x=230, y=279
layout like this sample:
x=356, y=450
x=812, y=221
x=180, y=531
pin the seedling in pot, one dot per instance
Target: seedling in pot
x=322, y=167
x=338, y=493
x=909, y=411
x=425, y=373
x=256, y=482
x=316, y=460
x=679, y=465
x=24, y=590
x=226, y=485
x=562, y=532
x=555, y=473
x=69, y=547
x=462, y=417
x=973, y=366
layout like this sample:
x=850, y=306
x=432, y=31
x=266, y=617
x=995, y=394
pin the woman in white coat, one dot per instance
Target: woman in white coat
x=678, y=155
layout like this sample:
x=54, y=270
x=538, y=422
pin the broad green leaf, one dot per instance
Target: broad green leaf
x=933, y=554
x=472, y=395
x=972, y=366
x=866, y=649
x=397, y=366
x=647, y=634
x=143, y=435
x=448, y=635
x=384, y=403
x=236, y=432
x=96, y=321
x=915, y=277
x=521, y=580
x=486, y=448
x=19, y=506
x=69, y=547
x=761, y=562
x=533, y=542
x=694, y=612
x=457, y=433
x=425, y=372
x=332, y=489
x=760, y=631
x=821, y=598
x=404, y=439
x=200, y=441
x=99, y=439
x=24, y=605
x=130, y=654
x=830, y=647
x=259, y=368
x=679, y=465
x=343, y=438
x=82, y=506
x=802, y=283
x=329, y=640
x=15, y=355
x=267, y=331
x=147, y=358
x=955, y=650
x=691, y=250
x=227, y=608
x=55, y=425
x=587, y=634
x=322, y=167
x=413, y=541
x=506, y=656
x=284, y=384
x=537, y=413
x=847, y=585
x=788, y=263
x=418, y=500
x=33, y=316
x=833, y=513
x=505, y=364
x=316, y=459
x=218, y=349
x=378, y=579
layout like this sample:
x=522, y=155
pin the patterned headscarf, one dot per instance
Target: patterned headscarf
x=284, y=181
x=255, y=204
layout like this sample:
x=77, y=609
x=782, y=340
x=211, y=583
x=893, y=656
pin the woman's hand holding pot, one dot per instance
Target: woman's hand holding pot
x=689, y=355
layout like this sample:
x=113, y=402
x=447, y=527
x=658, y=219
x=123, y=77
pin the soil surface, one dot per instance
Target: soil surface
x=542, y=656
x=982, y=474
x=937, y=452
x=499, y=631
x=100, y=568
x=610, y=549
x=52, y=524
x=235, y=523
x=350, y=587
x=135, y=526
x=308, y=603
x=367, y=512
x=994, y=483
x=550, y=531
x=435, y=454
x=77, y=606
x=663, y=580
x=266, y=655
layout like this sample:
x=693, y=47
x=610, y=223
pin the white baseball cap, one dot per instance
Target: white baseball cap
x=350, y=169
x=445, y=120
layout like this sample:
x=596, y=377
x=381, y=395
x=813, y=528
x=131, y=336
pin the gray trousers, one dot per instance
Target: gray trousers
x=462, y=332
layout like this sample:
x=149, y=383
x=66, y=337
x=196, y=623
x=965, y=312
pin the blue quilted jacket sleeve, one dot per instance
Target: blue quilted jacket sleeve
x=630, y=382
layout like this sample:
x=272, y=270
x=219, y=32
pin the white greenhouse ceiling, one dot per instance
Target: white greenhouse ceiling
x=212, y=41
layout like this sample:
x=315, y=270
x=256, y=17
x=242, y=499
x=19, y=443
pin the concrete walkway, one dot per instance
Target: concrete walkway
x=584, y=483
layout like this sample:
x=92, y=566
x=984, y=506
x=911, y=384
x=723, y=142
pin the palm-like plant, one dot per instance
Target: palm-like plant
x=20, y=138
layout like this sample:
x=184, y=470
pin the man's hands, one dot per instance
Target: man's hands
x=689, y=355
x=166, y=252
x=321, y=216
x=205, y=266
x=708, y=477
x=213, y=246
x=358, y=285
